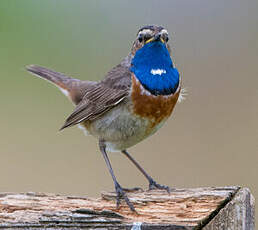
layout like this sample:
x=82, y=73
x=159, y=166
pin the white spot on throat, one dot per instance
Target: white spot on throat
x=158, y=71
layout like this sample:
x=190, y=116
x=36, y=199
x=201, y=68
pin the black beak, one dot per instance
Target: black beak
x=155, y=38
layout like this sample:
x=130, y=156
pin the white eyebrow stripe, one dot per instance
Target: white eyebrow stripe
x=158, y=71
x=163, y=31
x=146, y=31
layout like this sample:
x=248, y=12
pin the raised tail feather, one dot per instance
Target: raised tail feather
x=74, y=89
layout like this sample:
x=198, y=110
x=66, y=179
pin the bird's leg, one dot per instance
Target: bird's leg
x=152, y=183
x=119, y=190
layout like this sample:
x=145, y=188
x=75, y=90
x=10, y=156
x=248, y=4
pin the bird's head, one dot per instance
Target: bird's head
x=152, y=63
x=151, y=33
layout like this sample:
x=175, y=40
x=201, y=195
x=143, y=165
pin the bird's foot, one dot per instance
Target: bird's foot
x=120, y=194
x=154, y=185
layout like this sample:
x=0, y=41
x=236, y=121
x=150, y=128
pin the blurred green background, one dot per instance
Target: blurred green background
x=212, y=138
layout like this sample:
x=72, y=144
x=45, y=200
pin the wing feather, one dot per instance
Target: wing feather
x=102, y=96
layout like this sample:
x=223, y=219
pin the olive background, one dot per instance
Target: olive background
x=211, y=138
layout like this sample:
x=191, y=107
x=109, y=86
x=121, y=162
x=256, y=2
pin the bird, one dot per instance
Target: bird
x=131, y=103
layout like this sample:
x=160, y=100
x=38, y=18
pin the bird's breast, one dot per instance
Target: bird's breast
x=137, y=117
x=156, y=109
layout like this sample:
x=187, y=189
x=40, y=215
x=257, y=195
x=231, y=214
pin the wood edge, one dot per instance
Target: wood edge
x=237, y=213
x=207, y=220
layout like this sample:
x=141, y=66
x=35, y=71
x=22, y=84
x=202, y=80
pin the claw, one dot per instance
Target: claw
x=154, y=185
x=120, y=194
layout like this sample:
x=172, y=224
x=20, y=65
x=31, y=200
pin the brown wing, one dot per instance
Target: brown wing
x=102, y=96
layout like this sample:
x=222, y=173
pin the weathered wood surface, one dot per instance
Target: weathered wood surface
x=237, y=214
x=200, y=208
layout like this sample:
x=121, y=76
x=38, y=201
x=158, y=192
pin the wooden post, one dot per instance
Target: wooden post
x=200, y=208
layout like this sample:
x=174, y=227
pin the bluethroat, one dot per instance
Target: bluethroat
x=131, y=103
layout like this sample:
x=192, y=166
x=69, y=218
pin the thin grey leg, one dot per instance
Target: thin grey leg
x=119, y=190
x=152, y=184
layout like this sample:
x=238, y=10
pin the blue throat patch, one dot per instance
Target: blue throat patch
x=154, y=68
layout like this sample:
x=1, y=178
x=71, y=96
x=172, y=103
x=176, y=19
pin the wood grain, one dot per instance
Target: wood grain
x=182, y=209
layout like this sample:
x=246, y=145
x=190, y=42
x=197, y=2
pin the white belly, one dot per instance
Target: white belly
x=120, y=128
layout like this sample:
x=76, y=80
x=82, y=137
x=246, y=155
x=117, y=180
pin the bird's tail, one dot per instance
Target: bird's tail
x=74, y=89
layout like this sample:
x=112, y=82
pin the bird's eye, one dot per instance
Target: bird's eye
x=144, y=37
x=166, y=38
x=140, y=38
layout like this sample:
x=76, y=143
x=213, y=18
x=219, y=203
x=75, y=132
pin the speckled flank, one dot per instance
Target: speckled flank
x=154, y=108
